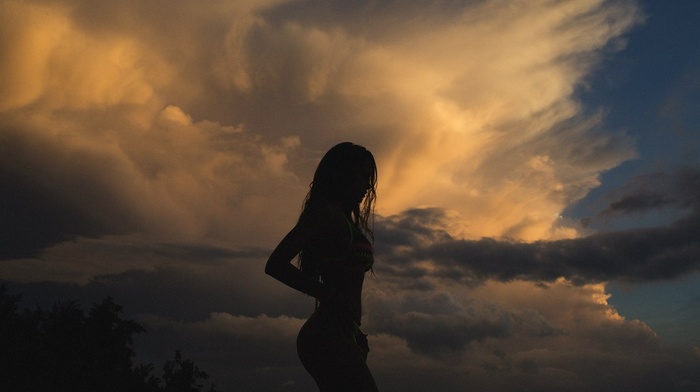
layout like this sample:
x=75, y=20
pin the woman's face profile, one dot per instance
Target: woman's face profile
x=360, y=182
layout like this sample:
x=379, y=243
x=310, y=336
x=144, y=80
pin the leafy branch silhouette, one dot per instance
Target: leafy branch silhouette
x=62, y=349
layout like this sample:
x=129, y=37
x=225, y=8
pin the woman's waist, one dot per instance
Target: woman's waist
x=340, y=312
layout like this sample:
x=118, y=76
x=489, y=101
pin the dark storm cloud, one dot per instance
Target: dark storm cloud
x=413, y=227
x=656, y=191
x=49, y=195
x=437, y=325
x=635, y=255
x=32, y=219
x=176, y=280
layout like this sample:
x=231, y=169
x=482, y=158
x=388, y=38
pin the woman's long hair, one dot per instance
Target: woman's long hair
x=337, y=169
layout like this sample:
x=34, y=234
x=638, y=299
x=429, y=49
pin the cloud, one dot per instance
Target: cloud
x=179, y=179
x=190, y=122
x=93, y=146
x=437, y=325
x=634, y=255
x=544, y=337
x=656, y=191
x=54, y=64
x=155, y=152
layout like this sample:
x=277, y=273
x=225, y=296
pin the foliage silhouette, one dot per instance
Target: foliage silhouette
x=182, y=375
x=64, y=350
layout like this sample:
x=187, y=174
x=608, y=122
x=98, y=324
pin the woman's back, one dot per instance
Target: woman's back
x=340, y=255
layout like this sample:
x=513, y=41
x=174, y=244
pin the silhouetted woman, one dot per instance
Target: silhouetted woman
x=334, y=254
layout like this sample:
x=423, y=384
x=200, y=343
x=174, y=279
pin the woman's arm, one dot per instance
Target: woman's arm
x=279, y=264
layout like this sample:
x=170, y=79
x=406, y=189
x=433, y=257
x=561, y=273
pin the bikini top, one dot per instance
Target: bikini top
x=360, y=249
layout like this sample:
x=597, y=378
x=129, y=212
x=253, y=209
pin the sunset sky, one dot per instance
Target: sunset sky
x=538, y=211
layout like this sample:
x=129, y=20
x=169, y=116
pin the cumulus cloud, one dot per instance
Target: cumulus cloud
x=178, y=179
x=98, y=148
x=547, y=337
x=181, y=118
x=439, y=326
x=557, y=336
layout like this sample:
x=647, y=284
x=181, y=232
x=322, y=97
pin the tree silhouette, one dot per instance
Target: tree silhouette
x=182, y=375
x=64, y=350
x=19, y=344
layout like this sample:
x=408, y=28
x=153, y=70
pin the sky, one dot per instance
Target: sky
x=537, y=219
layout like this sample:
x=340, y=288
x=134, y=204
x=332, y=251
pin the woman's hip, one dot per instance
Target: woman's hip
x=324, y=335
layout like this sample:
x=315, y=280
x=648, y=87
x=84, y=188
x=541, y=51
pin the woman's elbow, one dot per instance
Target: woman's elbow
x=272, y=269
